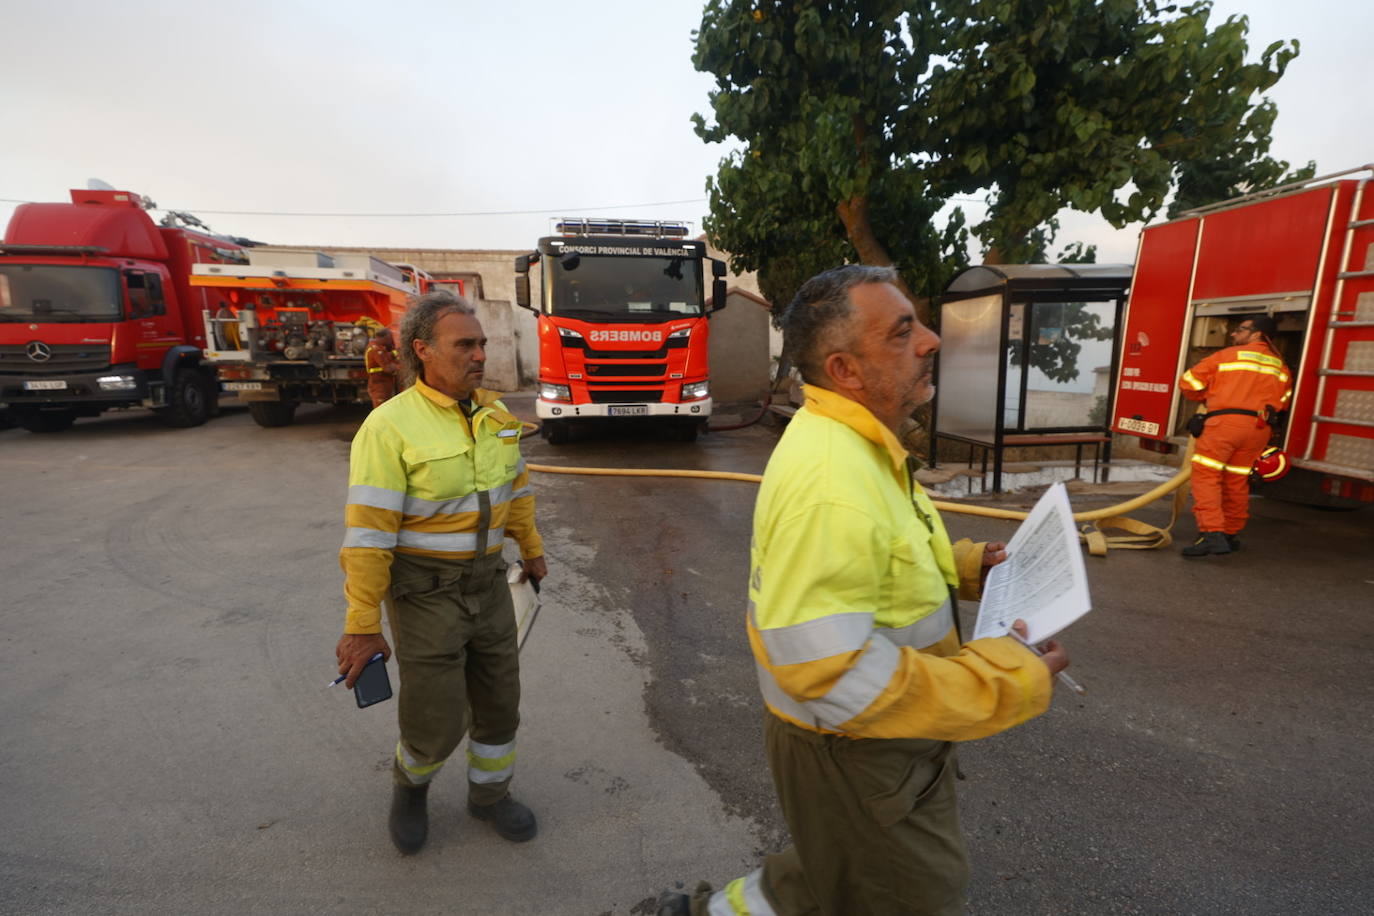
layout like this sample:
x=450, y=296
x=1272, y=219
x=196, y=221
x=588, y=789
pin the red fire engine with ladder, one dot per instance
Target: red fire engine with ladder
x=622, y=324
x=1302, y=254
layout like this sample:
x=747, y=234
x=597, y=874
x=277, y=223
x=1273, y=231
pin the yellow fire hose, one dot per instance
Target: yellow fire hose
x=1139, y=535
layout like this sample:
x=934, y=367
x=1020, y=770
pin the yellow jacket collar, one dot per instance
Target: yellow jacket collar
x=481, y=397
x=826, y=403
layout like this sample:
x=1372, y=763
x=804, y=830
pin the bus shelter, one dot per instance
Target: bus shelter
x=1028, y=357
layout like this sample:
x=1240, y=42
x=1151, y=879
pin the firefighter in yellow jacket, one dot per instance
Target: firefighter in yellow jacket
x=436, y=483
x=852, y=621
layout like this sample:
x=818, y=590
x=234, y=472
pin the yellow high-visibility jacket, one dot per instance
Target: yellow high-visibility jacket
x=424, y=480
x=851, y=594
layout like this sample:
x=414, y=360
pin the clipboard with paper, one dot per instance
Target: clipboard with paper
x=525, y=597
x=1043, y=580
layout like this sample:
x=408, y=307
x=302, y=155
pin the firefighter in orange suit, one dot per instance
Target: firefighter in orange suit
x=380, y=359
x=1243, y=386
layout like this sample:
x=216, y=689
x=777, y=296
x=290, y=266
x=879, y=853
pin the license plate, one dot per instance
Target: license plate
x=631, y=410
x=45, y=386
x=243, y=386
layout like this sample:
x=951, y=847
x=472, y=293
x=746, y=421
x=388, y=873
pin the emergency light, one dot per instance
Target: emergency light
x=659, y=229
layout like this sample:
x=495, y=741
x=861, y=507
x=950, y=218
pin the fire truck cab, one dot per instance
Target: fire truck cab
x=622, y=324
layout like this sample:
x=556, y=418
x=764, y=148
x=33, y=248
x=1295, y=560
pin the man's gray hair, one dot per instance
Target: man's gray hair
x=419, y=322
x=816, y=323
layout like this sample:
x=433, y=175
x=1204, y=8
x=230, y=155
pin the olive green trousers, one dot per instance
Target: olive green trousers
x=454, y=627
x=875, y=829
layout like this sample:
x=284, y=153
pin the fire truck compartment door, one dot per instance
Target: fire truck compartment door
x=1152, y=341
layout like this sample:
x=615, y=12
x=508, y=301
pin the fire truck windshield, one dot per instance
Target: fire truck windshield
x=626, y=288
x=55, y=293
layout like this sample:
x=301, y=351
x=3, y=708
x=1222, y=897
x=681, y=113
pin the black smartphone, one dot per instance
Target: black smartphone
x=373, y=685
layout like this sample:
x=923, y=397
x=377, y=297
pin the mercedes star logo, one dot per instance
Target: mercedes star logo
x=38, y=351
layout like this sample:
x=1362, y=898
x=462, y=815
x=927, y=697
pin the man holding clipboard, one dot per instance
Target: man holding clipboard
x=853, y=623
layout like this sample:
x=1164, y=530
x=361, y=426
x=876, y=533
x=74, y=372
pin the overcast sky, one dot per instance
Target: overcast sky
x=460, y=107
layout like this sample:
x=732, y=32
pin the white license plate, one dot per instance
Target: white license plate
x=243, y=386
x=631, y=410
x=45, y=386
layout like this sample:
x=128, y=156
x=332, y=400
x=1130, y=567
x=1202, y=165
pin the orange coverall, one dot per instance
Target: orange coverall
x=381, y=371
x=1250, y=376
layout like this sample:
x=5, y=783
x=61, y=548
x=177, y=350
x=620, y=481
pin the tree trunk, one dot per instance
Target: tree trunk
x=854, y=214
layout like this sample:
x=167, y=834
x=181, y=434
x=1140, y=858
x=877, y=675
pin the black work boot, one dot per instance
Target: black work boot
x=1233, y=541
x=409, y=821
x=512, y=820
x=671, y=903
x=1208, y=542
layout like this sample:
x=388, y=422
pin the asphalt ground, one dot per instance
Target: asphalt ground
x=170, y=600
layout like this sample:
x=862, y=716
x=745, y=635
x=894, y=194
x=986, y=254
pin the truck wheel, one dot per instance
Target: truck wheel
x=686, y=430
x=556, y=431
x=188, y=399
x=45, y=421
x=272, y=413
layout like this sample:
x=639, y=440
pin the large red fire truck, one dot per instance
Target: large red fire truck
x=1303, y=254
x=96, y=311
x=291, y=326
x=622, y=324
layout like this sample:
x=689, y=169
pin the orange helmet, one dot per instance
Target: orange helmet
x=1271, y=464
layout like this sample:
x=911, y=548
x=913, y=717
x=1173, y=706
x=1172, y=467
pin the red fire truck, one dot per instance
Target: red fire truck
x=292, y=326
x=1303, y=254
x=622, y=324
x=96, y=311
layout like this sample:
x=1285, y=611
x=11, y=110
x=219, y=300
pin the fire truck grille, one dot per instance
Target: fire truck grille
x=612, y=396
x=65, y=358
x=622, y=370
x=675, y=343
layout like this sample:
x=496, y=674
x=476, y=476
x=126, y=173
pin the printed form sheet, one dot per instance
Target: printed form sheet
x=1042, y=581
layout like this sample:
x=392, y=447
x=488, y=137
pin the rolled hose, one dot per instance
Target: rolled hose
x=1140, y=535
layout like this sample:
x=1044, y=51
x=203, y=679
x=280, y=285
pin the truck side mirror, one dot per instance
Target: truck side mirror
x=717, y=294
x=522, y=291
x=717, y=268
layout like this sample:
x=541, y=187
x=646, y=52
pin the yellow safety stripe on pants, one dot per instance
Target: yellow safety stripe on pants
x=742, y=897
x=489, y=763
x=377, y=369
x=1219, y=465
x=419, y=775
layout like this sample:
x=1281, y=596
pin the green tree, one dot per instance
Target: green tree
x=1097, y=105
x=859, y=119
x=817, y=93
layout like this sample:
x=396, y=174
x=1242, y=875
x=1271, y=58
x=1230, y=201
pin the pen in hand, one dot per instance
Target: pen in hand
x=343, y=677
x=1063, y=677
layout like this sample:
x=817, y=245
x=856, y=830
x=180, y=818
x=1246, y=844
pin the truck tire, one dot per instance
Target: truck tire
x=188, y=399
x=555, y=431
x=269, y=414
x=686, y=430
x=44, y=421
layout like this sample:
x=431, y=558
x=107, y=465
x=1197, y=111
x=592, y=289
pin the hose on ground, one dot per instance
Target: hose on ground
x=1139, y=535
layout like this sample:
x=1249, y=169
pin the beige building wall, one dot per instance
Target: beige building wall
x=740, y=368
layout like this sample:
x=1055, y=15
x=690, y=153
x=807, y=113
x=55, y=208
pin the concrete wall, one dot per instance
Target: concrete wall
x=740, y=365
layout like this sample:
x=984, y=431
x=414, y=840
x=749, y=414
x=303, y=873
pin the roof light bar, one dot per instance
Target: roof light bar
x=653, y=228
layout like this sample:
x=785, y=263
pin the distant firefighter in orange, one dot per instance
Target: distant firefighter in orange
x=382, y=366
x=1243, y=386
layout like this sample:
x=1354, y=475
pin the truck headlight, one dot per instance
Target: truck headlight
x=551, y=392
x=695, y=391
x=117, y=382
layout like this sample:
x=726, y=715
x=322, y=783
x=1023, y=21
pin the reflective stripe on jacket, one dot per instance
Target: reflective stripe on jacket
x=420, y=482
x=1246, y=377
x=850, y=618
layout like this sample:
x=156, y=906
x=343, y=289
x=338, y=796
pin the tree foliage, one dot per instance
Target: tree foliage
x=858, y=120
